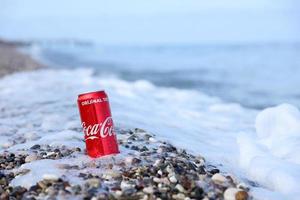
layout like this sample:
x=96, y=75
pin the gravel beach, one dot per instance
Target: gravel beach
x=146, y=168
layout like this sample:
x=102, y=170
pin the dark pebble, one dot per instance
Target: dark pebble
x=2, y=175
x=136, y=161
x=35, y=188
x=82, y=175
x=10, y=159
x=78, y=149
x=192, y=166
x=214, y=171
x=36, y=146
x=56, y=150
x=201, y=170
x=129, y=191
x=18, y=191
x=76, y=189
x=178, y=169
x=144, y=149
x=92, y=191
x=134, y=148
x=197, y=193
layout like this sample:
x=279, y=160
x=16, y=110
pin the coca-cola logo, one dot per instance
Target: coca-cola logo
x=105, y=128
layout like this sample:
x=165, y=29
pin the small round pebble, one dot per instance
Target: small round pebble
x=31, y=158
x=230, y=193
x=218, y=178
x=241, y=195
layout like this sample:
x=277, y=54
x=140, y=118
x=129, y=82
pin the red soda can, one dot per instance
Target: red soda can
x=97, y=124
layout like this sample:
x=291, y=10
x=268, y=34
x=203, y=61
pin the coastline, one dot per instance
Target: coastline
x=146, y=168
x=12, y=60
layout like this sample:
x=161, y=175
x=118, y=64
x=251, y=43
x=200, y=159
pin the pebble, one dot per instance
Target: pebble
x=173, y=179
x=157, y=180
x=179, y=196
x=148, y=190
x=230, y=193
x=125, y=185
x=136, y=161
x=157, y=162
x=118, y=192
x=17, y=191
x=160, y=172
x=241, y=195
x=180, y=188
x=31, y=158
x=218, y=178
x=36, y=146
x=152, y=139
x=64, y=166
x=51, y=177
x=4, y=196
x=76, y=189
x=93, y=182
x=214, y=171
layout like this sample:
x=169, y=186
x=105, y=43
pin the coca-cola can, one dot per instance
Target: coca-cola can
x=97, y=124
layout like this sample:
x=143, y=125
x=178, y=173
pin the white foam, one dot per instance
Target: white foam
x=38, y=170
x=272, y=156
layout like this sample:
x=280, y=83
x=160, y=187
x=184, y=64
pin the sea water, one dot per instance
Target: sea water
x=253, y=75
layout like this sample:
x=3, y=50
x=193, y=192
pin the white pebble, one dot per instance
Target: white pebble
x=230, y=193
x=50, y=154
x=180, y=188
x=160, y=150
x=157, y=180
x=118, y=192
x=169, y=170
x=148, y=190
x=156, y=163
x=152, y=139
x=160, y=172
x=178, y=196
x=173, y=179
x=128, y=159
x=53, y=177
x=31, y=158
x=125, y=185
x=93, y=182
x=218, y=178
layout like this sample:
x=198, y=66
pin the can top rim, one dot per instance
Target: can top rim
x=94, y=92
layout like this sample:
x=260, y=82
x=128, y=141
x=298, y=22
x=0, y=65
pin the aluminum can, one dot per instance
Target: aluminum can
x=97, y=124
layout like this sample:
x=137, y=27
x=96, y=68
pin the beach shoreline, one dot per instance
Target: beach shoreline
x=12, y=60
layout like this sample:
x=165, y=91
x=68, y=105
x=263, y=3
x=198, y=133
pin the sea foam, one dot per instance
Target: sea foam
x=271, y=157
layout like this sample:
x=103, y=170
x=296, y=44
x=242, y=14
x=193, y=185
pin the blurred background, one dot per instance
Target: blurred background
x=247, y=52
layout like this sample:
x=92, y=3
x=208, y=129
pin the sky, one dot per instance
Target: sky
x=156, y=21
